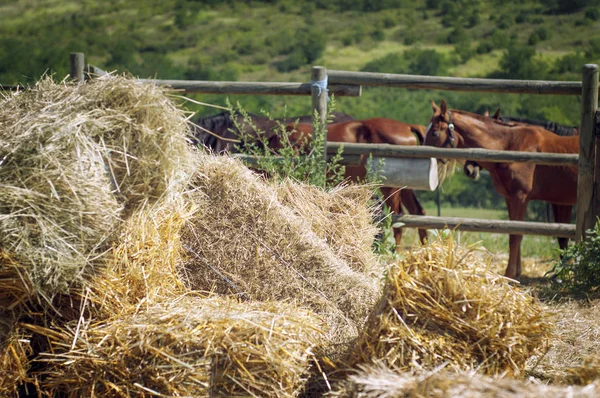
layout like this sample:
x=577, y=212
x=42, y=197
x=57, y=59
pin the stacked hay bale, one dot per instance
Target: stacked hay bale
x=342, y=216
x=244, y=241
x=95, y=257
x=75, y=159
x=442, y=306
x=380, y=381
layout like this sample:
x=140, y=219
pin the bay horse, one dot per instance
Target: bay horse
x=471, y=168
x=517, y=182
x=369, y=131
x=224, y=128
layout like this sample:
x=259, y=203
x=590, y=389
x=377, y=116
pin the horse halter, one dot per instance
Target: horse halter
x=451, y=137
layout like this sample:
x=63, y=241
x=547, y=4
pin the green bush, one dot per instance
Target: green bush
x=579, y=268
x=284, y=163
x=593, y=13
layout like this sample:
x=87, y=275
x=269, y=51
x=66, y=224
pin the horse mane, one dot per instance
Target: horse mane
x=553, y=127
x=556, y=128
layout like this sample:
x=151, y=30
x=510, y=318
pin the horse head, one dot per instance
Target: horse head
x=440, y=131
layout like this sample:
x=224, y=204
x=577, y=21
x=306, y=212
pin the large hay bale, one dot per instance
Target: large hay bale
x=75, y=159
x=342, y=216
x=190, y=346
x=379, y=381
x=442, y=305
x=243, y=241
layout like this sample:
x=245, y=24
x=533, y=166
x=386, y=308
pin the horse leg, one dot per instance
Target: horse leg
x=517, y=207
x=394, y=202
x=562, y=214
x=410, y=201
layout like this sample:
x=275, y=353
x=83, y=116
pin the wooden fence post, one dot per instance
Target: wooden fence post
x=77, y=66
x=586, y=184
x=318, y=82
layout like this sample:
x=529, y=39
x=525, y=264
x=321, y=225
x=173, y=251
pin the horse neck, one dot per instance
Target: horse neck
x=477, y=132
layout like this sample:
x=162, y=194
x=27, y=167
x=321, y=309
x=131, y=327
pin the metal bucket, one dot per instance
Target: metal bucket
x=420, y=174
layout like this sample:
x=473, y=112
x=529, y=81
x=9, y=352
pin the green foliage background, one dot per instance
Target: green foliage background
x=279, y=40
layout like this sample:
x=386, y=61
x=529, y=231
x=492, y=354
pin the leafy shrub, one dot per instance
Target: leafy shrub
x=533, y=39
x=593, y=48
x=284, y=163
x=484, y=47
x=579, y=268
x=593, y=14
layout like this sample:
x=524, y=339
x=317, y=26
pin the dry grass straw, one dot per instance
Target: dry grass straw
x=244, y=241
x=140, y=331
x=14, y=350
x=190, y=346
x=75, y=159
x=380, y=382
x=16, y=286
x=342, y=216
x=442, y=305
x=142, y=267
x=574, y=348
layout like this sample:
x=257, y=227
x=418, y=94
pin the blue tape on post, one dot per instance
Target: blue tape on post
x=321, y=85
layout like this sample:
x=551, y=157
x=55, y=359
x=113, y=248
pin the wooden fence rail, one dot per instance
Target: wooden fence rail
x=244, y=88
x=456, y=83
x=481, y=225
x=476, y=154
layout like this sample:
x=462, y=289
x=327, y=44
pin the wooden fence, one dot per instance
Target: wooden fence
x=588, y=193
x=344, y=83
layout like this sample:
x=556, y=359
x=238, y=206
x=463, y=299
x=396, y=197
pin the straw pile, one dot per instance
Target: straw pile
x=342, y=216
x=442, y=305
x=379, y=381
x=187, y=347
x=74, y=160
x=243, y=241
x=586, y=373
x=137, y=330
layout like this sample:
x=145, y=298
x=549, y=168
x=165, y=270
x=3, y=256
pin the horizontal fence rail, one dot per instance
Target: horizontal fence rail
x=245, y=88
x=476, y=154
x=481, y=225
x=254, y=88
x=456, y=83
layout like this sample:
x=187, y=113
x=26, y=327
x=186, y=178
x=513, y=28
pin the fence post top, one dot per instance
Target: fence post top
x=590, y=66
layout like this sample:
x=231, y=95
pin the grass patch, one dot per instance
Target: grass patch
x=543, y=248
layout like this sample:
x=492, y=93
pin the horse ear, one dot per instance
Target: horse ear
x=435, y=107
x=497, y=114
x=443, y=107
x=486, y=113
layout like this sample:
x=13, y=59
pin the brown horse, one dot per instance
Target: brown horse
x=221, y=132
x=371, y=131
x=517, y=182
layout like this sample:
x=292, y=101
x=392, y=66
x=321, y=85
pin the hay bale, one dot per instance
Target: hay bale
x=379, y=381
x=243, y=241
x=442, y=305
x=342, y=216
x=190, y=346
x=588, y=372
x=74, y=160
x=15, y=347
x=143, y=263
